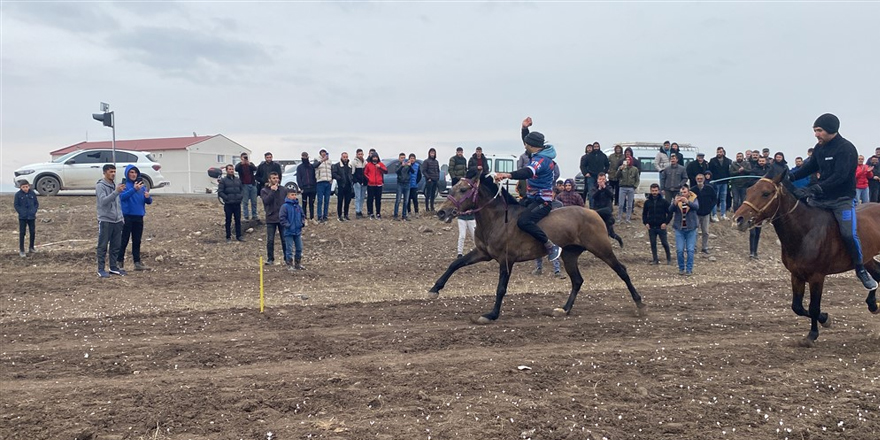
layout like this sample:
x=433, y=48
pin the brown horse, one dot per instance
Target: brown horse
x=811, y=244
x=574, y=229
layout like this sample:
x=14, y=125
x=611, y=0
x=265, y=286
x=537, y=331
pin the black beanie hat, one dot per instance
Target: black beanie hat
x=828, y=122
x=534, y=139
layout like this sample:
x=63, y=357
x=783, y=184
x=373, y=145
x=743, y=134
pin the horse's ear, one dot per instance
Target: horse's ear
x=780, y=175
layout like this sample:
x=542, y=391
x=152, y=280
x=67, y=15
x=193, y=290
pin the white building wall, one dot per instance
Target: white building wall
x=187, y=169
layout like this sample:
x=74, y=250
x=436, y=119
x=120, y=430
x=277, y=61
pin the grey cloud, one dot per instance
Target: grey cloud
x=73, y=17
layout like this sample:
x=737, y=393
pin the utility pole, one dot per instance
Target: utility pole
x=108, y=119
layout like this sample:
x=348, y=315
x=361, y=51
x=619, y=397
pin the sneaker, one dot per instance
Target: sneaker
x=32, y=251
x=120, y=264
x=681, y=271
x=724, y=217
x=140, y=266
x=688, y=273
x=394, y=217
x=339, y=219
x=345, y=218
x=559, y=275
x=372, y=217
x=290, y=268
x=668, y=261
x=866, y=279
x=705, y=251
x=554, y=252
x=357, y=215
x=378, y=216
x=713, y=218
x=537, y=271
x=654, y=262
x=269, y=262
x=406, y=219
x=459, y=256
x=118, y=271
x=22, y=254
x=239, y=239
x=103, y=273
x=228, y=240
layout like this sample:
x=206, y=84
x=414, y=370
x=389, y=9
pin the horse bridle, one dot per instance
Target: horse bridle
x=775, y=196
x=471, y=193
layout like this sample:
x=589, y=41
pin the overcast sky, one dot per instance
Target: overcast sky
x=289, y=77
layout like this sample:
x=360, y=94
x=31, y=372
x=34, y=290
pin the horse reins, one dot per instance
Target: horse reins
x=778, y=205
x=473, y=194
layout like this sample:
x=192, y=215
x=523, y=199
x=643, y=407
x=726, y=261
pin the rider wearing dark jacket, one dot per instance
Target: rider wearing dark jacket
x=835, y=158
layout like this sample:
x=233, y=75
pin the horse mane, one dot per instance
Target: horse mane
x=489, y=183
x=786, y=183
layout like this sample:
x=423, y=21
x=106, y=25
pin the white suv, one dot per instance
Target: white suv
x=81, y=169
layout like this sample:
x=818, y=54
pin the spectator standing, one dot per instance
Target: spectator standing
x=673, y=177
x=292, y=222
x=134, y=200
x=874, y=183
x=478, y=164
x=674, y=151
x=412, y=203
x=738, y=169
x=684, y=208
x=696, y=167
x=265, y=169
x=661, y=162
x=863, y=174
x=230, y=192
x=273, y=196
x=655, y=217
x=307, y=182
x=706, y=195
x=758, y=171
x=359, y=183
x=589, y=178
x=344, y=177
x=628, y=153
x=374, y=172
x=720, y=168
x=247, y=173
x=431, y=172
x=603, y=204
x=522, y=187
x=404, y=170
x=598, y=164
x=458, y=166
x=629, y=181
x=110, y=220
x=26, y=205
x=779, y=164
x=324, y=178
x=614, y=162
x=803, y=182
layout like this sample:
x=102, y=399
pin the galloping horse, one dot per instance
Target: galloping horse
x=574, y=229
x=811, y=244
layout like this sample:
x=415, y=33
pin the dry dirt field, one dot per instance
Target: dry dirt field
x=352, y=348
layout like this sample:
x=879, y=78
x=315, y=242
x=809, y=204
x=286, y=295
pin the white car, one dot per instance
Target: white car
x=288, y=179
x=80, y=170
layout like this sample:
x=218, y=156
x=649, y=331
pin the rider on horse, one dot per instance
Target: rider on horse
x=539, y=173
x=835, y=158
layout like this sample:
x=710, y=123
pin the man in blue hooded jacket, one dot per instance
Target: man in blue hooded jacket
x=134, y=199
x=539, y=173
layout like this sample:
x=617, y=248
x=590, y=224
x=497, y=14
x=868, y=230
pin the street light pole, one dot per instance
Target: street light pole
x=108, y=119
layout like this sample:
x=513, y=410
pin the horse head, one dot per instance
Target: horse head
x=462, y=198
x=762, y=202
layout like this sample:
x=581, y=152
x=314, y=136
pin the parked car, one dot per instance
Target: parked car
x=644, y=152
x=81, y=169
x=288, y=178
x=390, y=184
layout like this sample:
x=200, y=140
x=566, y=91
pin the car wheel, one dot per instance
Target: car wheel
x=291, y=187
x=148, y=182
x=48, y=186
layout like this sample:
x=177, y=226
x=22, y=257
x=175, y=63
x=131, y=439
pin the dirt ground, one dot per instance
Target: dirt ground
x=351, y=348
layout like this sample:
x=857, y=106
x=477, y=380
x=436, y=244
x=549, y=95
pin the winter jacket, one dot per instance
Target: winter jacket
x=800, y=183
x=109, y=208
x=661, y=160
x=594, y=163
x=691, y=217
x=403, y=173
x=474, y=162
x=743, y=168
x=614, y=161
x=570, y=198
x=656, y=211
x=272, y=201
x=694, y=168
x=862, y=176
x=758, y=172
x=720, y=168
x=673, y=177
x=291, y=218
x=133, y=201
x=323, y=171
x=628, y=177
x=458, y=166
x=343, y=176
x=358, y=166
x=416, y=175
x=263, y=171
x=249, y=176
x=431, y=169
x=306, y=178
x=230, y=190
x=603, y=198
x=375, y=172
x=26, y=205
x=707, y=197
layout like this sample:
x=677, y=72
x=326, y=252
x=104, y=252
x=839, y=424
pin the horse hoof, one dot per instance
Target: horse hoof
x=827, y=323
x=876, y=310
x=433, y=294
x=641, y=310
x=807, y=342
x=558, y=312
x=481, y=320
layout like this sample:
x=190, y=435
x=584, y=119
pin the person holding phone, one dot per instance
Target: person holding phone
x=134, y=199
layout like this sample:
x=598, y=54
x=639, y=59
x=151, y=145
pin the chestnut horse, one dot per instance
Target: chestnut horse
x=811, y=244
x=575, y=229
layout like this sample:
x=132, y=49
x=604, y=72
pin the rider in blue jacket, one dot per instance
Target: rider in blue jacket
x=539, y=173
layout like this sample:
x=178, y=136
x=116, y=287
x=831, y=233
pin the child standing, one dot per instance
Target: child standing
x=26, y=204
x=292, y=222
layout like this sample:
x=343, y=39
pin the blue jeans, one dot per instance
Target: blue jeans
x=685, y=239
x=291, y=241
x=590, y=184
x=626, y=200
x=721, y=192
x=360, y=193
x=402, y=195
x=323, y=199
x=249, y=193
x=862, y=196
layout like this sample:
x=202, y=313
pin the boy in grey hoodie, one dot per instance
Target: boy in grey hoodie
x=110, y=220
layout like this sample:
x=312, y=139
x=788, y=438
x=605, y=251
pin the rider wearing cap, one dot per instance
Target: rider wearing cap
x=835, y=158
x=539, y=173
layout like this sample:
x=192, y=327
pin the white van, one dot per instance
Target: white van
x=498, y=163
x=645, y=152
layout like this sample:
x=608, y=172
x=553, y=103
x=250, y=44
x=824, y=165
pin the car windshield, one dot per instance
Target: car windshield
x=66, y=156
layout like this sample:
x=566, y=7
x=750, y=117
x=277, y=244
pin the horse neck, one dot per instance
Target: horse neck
x=493, y=208
x=792, y=222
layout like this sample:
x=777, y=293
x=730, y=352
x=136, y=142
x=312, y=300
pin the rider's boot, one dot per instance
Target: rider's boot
x=865, y=278
x=553, y=251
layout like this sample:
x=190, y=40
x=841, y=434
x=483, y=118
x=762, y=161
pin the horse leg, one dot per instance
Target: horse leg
x=474, y=256
x=873, y=268
x=611, y=260
x=798, y=287
x=570, y=258
x=503, y=279
x=816, y=315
